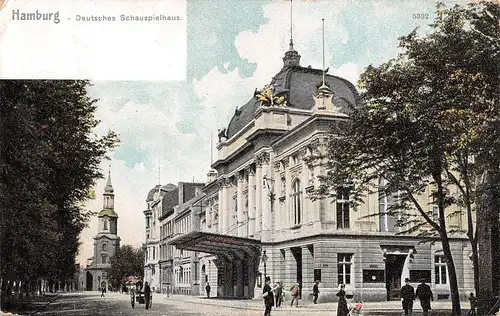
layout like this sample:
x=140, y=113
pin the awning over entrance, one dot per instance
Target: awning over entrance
x=216, y=244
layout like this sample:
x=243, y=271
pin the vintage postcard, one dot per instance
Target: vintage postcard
x=248, y=157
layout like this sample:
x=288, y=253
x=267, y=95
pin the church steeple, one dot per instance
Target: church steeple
x=109, y=187
x=292, y=57
x=108, y=196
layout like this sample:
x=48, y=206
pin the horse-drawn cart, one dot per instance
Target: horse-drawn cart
x=135, y=287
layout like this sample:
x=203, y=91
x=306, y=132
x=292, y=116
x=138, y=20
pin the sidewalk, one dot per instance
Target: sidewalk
x=29, y=305
x=257, y=304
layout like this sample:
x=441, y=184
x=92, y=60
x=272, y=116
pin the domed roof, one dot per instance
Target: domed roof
x=165, y=188
x=298, y=84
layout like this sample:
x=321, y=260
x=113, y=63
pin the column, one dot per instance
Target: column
x=251, y=201
x=288, y=185
x=277, y=194
x=207, y=207
x=239, y=290
x=220, y=208
x=258, y=197
x=266, y=203
x=227, y=206
x=307, y=267
x=290, y=267
x=230, y=278
x=241, y=205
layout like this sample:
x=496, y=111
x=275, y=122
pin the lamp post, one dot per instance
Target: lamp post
x=264, y=260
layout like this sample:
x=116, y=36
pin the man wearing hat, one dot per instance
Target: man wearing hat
x=424, y=294
x=407, y=297
x=268, y=296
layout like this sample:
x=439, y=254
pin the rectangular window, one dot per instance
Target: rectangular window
x=440, y=269
x=342, y=208
x=344, y=263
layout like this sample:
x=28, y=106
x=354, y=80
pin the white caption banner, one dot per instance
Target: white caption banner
x=97, y=40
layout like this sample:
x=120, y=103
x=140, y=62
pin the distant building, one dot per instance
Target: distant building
x=106, y=242
x=159, y=268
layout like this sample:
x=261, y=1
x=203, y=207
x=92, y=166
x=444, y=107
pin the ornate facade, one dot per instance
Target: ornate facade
x=259, y=218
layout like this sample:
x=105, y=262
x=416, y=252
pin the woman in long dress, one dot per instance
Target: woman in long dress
x=342, y=309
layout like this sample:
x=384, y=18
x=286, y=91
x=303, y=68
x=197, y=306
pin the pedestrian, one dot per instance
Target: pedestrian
x=279, y=294
x=316, y=292
x=103, y=290
x=207, y=289
x=268, y=296
x=294, y=292
x=425, y=296
x=473, y=304
x=342, y=309
x=407, y=297
x=147, y=294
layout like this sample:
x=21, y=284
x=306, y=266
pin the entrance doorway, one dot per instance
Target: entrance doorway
x=297, y=254
x=393, y=269
x=89, y=280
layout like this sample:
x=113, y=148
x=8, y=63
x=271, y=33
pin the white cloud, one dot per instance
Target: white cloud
x=151, y=128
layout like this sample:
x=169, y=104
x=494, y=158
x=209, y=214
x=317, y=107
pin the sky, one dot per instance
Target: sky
x=233, y=47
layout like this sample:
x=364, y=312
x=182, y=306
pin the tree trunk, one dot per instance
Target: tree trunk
x=452, y=273
x=455, y=295
x=487, y=219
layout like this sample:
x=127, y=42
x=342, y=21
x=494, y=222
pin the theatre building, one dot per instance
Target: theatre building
x=257, y=217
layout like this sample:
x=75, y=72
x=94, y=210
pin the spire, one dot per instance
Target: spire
x=109, y=187
x=292, y=57
x=291, y=26
x=324, y=90
x=323, y=20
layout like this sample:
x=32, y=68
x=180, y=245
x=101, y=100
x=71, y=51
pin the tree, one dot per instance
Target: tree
x=128, y=261
x=424, y=115
x=49, y=162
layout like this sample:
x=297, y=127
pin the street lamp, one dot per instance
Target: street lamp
x=264, y=260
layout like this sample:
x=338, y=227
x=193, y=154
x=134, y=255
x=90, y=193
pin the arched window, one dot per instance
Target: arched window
x=104, y=247
x=297, y=202
x=105, y=224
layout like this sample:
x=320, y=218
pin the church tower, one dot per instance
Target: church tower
x=106, y=242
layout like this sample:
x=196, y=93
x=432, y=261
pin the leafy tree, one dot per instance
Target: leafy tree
x=424, y=116
x=49, y=161
x=128, y=261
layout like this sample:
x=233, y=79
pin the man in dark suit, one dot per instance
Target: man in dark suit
x=424, y=294
x=315, y=292
x=147, y=294
x=268, y=295
x=407, y=297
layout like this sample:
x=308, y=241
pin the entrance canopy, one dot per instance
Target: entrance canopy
x=216, y=244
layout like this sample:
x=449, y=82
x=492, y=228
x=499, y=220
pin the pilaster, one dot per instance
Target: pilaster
x=241, y=204
x=258, y=196
x=251, y=201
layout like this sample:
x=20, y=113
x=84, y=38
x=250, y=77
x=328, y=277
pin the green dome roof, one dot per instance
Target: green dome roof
x=109, y=213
